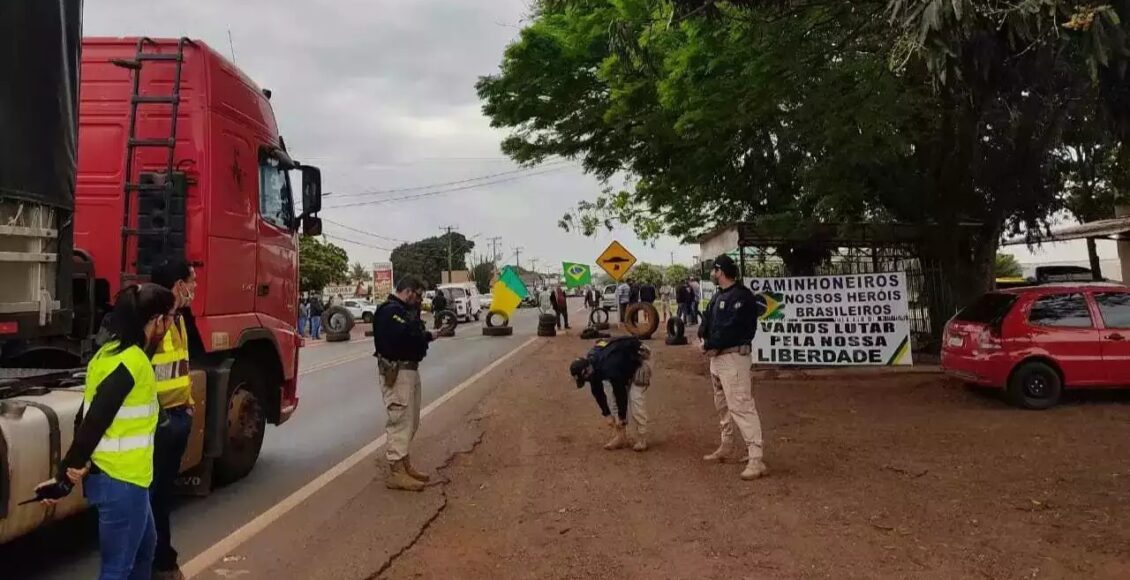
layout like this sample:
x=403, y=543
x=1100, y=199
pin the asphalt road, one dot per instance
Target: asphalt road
x=339, y=412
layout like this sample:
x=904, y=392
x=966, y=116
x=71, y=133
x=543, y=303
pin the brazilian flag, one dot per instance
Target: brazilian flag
x=576, y=275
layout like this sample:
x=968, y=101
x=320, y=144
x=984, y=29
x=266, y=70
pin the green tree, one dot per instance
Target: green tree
x=676, y=273
x=483, y=274
x=358, y=273
x=644, y=273
x=428, y=258
x=1006, y=266
x=320, y=263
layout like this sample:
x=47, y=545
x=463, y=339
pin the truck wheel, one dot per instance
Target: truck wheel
x=247, y=423
x=337, y=319
x=598, y=316
x=1035, y=385
x=505, y=320
x=633, y=325
x=337, y=336
x=367, y=317
x=498, y=330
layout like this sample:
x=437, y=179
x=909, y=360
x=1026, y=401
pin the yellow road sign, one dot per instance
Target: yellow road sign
x=616, y=260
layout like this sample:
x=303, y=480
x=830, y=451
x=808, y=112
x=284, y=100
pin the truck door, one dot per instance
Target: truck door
x=277, y=258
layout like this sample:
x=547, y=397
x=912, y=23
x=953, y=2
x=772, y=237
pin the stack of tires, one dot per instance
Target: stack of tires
x=598, y=319
x=338, y=323
x=497, y=324
x=547, y=324
x=676, y=331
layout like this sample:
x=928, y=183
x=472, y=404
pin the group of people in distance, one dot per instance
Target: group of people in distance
x=687, y=295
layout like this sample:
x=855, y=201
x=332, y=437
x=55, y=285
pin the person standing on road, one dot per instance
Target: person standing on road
x=648, y=293
x=303, y=316
x=623, y=297
x=401, y=342
x=622, y=362
x=696, y=300
x=665, y=292
x=112, y=450
x=560, y=305
x=439, y=304
x=683, y=297
x=727, y=332
x=174, y=394
x=316, y=310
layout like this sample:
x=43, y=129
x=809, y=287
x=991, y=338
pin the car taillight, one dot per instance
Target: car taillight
x=989, y=339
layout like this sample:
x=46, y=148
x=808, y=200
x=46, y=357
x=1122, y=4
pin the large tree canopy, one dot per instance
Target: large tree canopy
x=320, y=263
x=428, y=258
x=787, y=112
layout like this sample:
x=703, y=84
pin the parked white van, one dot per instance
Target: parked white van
x=463, y=299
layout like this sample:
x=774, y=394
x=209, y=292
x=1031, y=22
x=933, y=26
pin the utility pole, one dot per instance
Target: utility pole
x=672, y=258
x=448, y=230
x=518, y=258
x=494, y=248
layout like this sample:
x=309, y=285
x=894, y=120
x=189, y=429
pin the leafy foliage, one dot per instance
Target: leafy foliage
x=428, y=258
x=482, y=274
x=970, y=118
x=1006, y=266
x=676, y=273
x=358, y=273
x=320, y=263
x=645, y=273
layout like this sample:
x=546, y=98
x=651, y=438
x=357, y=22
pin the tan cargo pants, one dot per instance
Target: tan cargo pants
x=733, y=399
x=402, y=402
x=637, y=409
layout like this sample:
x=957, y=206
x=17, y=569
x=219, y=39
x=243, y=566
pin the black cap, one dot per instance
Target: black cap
x=577, y=369
x=727, y=265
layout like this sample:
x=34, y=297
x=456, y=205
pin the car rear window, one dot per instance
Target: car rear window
x=1115, y=308
x=988, y=309
x=1061, y=311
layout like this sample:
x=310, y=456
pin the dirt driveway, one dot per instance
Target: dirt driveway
x=908, y=476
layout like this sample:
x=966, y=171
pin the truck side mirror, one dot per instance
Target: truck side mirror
x=311, y=190
x=311, y=225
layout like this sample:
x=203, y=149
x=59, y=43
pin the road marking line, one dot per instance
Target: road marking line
x=237, y=538
x=333, y=363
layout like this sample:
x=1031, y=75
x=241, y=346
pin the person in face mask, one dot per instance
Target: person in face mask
x=112, y=451
x=174, y=393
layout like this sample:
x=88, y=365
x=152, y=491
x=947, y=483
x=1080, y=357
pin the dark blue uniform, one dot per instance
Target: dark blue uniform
x=615, y=361
x=731, y=318
x=398, y=332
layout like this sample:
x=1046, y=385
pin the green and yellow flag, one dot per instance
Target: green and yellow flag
x=576, y=275
x=508, y=291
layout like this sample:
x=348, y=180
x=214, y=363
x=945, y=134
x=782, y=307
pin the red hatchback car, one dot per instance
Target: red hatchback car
x=1034, y=342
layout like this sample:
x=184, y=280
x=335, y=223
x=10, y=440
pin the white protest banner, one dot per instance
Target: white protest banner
x=856, y=319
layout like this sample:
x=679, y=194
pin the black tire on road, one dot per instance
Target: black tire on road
x=500, y=314
x=498, y=330
x=633, y=325
x=598, y=317
x=603, y=326
x=676, y=340
x=547, y=320
x=676, y=327
x=1035, y=385
x=543, y=331
x=446, y=319
x=336, y=319
x=337, y=336
x=367, y=317
x=247, y=423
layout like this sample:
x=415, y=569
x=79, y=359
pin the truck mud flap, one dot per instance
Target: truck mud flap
x=55, y=436
x=196, y=481
x=216, y=423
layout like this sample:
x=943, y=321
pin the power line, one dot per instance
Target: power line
x=355, y=242
x=353, y=229
x=449, y=183
x=442, y=191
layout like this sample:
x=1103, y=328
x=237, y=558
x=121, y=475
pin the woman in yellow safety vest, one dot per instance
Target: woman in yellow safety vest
x=112, y=452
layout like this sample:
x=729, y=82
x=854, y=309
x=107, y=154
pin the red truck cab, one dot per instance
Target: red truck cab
x=214, y=186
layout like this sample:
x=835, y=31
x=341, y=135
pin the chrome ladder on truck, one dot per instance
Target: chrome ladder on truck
x=158, y=224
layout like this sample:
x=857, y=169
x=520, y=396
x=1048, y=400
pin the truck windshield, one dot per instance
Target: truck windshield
x=275, y=204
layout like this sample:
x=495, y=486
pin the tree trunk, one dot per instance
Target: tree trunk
x=1093, y=255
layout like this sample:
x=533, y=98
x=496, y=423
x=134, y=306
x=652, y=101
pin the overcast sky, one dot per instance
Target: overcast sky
x=380, y=95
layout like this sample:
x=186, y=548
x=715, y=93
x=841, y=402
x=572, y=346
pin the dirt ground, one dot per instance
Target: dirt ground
x=886, y=476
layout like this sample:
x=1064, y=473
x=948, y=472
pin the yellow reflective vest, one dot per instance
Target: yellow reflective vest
x=125, y=451
x=170, y=366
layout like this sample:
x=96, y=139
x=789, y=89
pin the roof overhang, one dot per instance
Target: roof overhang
x=1113, y=229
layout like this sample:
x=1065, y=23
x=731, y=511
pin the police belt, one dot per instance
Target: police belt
x=405, y=365
x=742, y=350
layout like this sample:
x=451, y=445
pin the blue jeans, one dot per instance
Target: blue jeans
x=315, y=326
x=126, y=535
x=168, y=448
x=301, y=326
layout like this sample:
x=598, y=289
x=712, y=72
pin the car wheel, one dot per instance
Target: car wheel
x=367, y=317
x=1035, y=385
